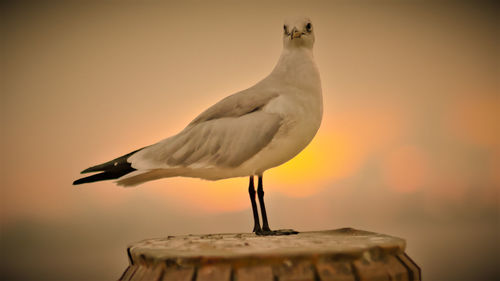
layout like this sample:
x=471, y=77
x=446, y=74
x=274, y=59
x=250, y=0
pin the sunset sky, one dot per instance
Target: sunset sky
x=409, y=144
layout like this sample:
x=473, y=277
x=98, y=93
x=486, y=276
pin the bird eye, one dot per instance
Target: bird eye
x=285, y=29
x=308, y=27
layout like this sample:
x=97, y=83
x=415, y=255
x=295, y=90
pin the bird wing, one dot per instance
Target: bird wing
x=225, y=135
x=236, y=105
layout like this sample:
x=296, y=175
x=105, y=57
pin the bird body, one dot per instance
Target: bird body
x=267, y=124
x=245, y=133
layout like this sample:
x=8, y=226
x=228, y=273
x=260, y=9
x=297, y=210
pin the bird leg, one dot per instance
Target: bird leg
x=251, y=192
x=260, y=193
x=265, y=225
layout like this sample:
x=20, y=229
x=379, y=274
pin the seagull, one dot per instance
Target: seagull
x=243, y=135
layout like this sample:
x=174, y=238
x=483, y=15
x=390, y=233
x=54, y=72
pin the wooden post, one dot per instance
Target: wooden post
x=332, y=255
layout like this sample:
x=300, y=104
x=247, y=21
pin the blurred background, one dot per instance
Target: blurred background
x=409, y=145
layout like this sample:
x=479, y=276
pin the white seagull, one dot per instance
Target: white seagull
x=242, y=135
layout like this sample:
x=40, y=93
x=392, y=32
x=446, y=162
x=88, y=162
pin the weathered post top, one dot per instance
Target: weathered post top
x=342, y=254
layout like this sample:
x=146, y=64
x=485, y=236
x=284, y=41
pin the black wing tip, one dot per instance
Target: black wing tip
x=111, y=165
x=110, y=170
x=89, y=170
x=110, y=174
x=93, y=178
x=78, y=181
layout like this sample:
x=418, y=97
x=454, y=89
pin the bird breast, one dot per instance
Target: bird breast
x=300, y=107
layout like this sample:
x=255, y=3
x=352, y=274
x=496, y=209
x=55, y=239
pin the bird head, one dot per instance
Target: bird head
x=298, y=32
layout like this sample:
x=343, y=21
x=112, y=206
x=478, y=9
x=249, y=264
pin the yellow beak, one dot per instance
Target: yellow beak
x=295, y=33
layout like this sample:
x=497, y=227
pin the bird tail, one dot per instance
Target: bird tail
x=113, y=169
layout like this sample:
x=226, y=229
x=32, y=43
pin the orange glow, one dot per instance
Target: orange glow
x=330, y=156
x=374, y=125
x=338, y=151
x=405, y=169
x=222, y=196
x=209, y=196
x=105, y=196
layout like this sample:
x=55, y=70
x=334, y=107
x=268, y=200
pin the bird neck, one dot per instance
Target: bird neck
x=297, y=67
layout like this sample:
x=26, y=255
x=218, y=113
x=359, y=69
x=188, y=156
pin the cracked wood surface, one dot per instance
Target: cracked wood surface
x=342, y=254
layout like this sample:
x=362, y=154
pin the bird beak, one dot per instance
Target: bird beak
x=295, y=33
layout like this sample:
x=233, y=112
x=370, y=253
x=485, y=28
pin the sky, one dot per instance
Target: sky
x=409, y=143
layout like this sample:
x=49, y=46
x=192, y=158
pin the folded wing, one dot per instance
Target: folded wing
x=224, y=142
x=225, y=135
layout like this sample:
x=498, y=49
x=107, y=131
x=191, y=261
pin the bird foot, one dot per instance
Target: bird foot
x=278, y=232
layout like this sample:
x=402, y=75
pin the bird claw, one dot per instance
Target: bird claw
x=278, y=232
